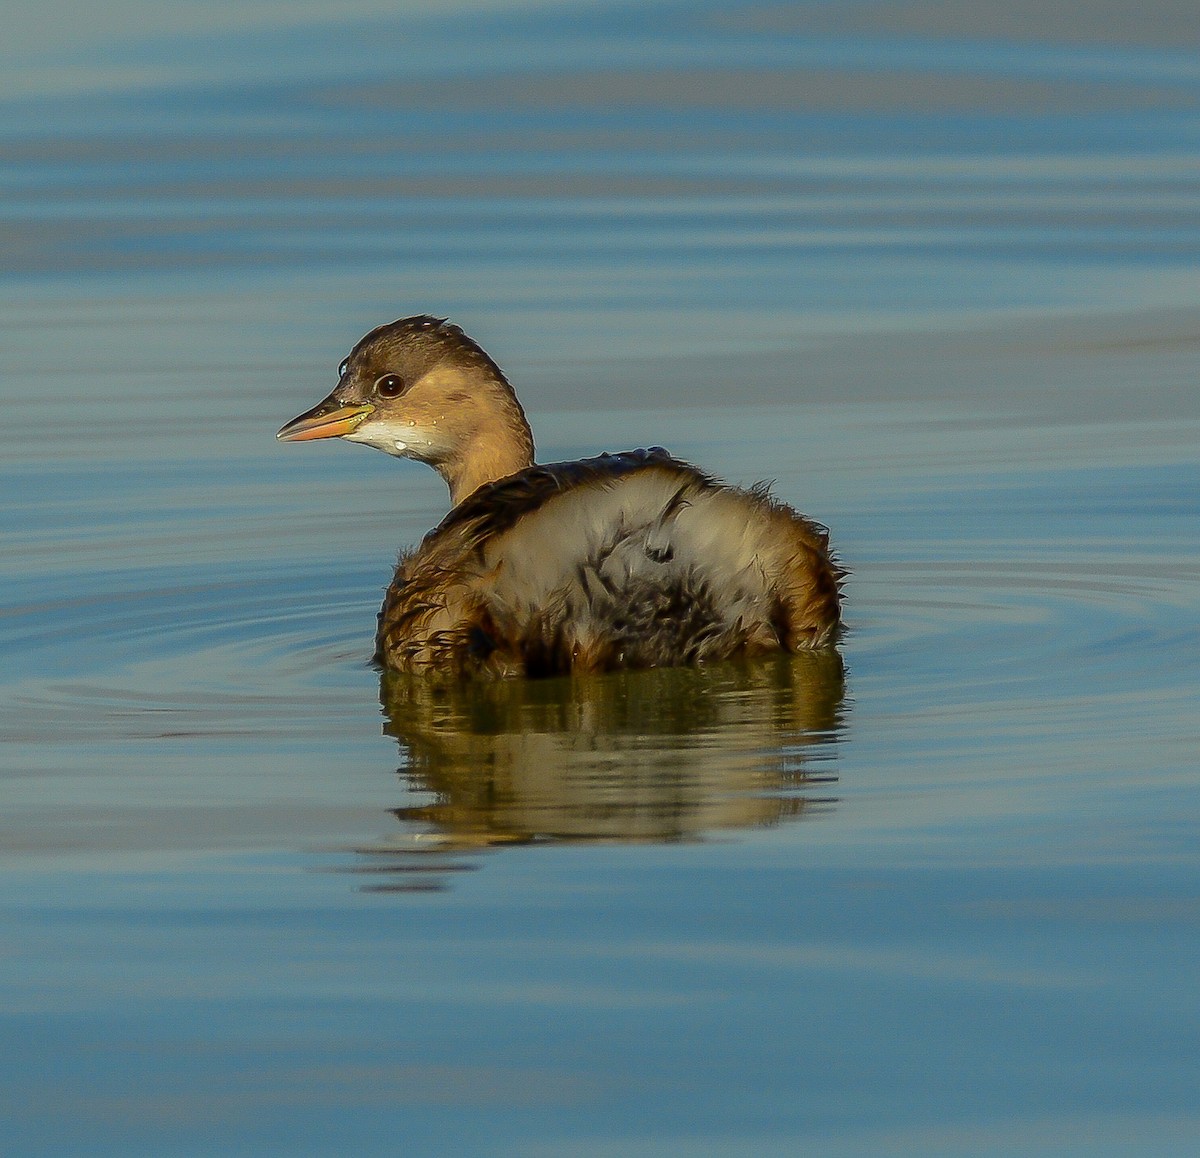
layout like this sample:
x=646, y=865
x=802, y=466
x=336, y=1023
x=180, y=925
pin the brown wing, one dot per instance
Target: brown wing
x=496, y=507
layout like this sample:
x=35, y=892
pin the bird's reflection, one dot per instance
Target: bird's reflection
x=660, y=755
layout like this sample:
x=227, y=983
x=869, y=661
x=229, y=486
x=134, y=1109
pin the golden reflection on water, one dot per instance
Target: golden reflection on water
x=659, y=755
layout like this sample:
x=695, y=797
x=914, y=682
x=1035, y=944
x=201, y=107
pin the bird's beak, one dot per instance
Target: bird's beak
x=328, y=419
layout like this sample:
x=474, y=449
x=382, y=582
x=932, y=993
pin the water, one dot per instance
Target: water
x=933, y=270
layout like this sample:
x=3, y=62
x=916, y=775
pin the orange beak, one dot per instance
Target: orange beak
x=327, y=419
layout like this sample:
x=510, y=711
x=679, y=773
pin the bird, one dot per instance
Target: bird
x=634, y=559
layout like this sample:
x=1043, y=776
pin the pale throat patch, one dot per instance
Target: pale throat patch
x=400, y=438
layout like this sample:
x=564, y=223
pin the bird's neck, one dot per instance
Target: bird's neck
x=497, y=452
x=472, y=428
x=483, y=465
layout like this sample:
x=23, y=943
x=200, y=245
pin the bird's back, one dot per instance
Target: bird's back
x=626, y=560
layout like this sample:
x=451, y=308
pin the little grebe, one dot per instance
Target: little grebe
x=625, y=560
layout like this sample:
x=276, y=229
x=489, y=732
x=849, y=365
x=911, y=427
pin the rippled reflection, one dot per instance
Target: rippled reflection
x=658, y=755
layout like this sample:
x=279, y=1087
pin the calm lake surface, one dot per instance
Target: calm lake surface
x=935, y=271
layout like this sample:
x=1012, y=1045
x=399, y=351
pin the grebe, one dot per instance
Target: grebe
x=626, y=560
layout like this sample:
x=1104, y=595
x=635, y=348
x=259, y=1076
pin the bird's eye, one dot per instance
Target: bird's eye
x=388, y=386
x=343, y=367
